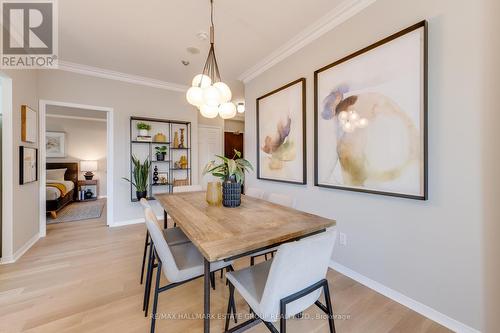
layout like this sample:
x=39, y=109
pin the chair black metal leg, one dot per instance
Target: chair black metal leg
x=233, y=304
x=149, y=273
x=149, y=279
x=326, y=291
x=229, y=307
x=252, y=261
x=146, y=244
x=155, y=302
x=165, y=220
x=282, y=317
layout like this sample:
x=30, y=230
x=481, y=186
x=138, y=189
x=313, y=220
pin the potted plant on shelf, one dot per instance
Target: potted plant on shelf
x=143, y=129
x=140, y=177
x=232, y=173
x=161, y=151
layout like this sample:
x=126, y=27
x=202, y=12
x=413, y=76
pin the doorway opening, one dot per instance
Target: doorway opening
x=76, y=156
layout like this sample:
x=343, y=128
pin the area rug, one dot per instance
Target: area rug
x=78, y=211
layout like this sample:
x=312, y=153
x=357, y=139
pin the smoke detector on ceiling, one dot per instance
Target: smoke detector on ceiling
x=185, y=62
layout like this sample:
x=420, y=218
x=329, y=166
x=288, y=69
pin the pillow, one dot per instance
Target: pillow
x=56, y=174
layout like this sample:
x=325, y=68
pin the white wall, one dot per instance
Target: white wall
x=25, y=197
x=127, y=100
x=429, y=251
x=85, y=140
x=490, y=174
x=234, y=126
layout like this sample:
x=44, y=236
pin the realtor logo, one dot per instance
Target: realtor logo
x=29, y=34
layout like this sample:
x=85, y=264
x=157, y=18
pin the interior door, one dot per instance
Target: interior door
x=209, y=145
x=233, y=141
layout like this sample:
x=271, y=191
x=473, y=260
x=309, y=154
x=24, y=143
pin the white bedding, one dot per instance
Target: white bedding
x=53, y=193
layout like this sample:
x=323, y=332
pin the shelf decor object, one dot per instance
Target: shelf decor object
x=89, y=167
x=281, y=134
x=370, y=113
x=140, y=177
x=208, y=92
x=162, y=153
x=232, y=173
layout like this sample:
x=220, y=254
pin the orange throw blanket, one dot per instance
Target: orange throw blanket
x=61, y=187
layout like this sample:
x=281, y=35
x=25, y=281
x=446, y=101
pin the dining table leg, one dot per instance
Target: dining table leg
x=165, y=217
x=206, y=301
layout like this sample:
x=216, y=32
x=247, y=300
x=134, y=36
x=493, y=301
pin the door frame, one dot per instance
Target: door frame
x=43, y=159
x=7, y=171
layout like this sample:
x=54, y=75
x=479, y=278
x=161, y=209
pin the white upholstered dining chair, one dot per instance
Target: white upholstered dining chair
x=180, y=263
x=279, y=199
x=288, y=284
x=173, y=236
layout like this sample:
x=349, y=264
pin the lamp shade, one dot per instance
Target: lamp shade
x=88, y=166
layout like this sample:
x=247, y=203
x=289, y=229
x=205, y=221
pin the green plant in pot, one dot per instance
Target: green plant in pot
x=232, y=173
x=161, y=151
x=143, y=128
x=140, y=175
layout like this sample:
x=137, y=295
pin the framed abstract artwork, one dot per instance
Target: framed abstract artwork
x=29, y=124
x=370, y=118
x=28, y=165
x=281, y=134
x=55, y=144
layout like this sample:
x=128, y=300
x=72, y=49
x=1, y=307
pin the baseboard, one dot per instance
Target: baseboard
x=102, y=197
x=130, y=222
x=416, y=306
x=22, y=250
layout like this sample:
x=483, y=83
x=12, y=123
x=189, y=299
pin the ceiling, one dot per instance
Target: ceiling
x=149, y=38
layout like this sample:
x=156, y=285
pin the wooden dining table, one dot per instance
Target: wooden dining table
x=222, y=233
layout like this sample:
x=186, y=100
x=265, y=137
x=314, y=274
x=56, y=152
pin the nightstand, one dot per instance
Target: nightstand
x=87, y=186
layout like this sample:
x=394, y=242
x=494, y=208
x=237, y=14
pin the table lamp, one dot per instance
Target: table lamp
x=89, y=167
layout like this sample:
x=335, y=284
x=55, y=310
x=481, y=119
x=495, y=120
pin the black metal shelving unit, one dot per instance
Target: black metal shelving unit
x=145, y=150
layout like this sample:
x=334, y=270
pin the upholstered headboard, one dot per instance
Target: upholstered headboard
x=71, y=173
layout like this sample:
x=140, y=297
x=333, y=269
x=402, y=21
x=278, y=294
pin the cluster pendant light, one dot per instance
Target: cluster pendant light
x=208, y=93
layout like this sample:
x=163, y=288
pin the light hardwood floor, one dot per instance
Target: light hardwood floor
x=84, y=277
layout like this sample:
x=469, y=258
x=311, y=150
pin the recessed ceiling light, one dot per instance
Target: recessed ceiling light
x=202, y=35
x=193, y=50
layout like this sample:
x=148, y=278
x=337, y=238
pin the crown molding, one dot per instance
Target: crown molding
x=119, y=76
x=326, y=23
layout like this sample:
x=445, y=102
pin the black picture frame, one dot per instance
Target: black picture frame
x=22, y=153
x=301, y=81
x=425, y=194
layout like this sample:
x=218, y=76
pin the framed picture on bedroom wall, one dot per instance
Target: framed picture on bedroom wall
x=29, y=124
x=55, y=144
x=28, y=165
x=370, y=114
x=281, y=134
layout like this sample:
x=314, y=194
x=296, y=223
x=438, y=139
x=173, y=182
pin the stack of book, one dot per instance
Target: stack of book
x=146, y=138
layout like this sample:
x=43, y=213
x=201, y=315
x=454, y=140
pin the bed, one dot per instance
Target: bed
x=62, y=190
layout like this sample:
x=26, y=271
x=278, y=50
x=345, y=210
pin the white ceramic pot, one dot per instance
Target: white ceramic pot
x=143, y=132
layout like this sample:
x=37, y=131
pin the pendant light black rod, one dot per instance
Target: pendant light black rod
x=211, y=68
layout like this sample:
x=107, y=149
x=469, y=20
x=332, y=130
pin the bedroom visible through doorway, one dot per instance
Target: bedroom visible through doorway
x=75, y=158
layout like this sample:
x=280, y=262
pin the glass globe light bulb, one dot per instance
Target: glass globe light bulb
x=353, y=116
x=211, y=96
x=202, y=81
x=224, y=90
x=194, y=96
x=208, y=111
x=348, y=127
x=227, y=110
